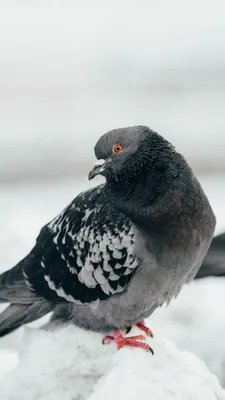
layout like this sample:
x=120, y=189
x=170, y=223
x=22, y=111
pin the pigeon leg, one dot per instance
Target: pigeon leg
x=132, y=341
x=141, y=325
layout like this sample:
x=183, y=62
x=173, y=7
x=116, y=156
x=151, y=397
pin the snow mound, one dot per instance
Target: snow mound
x=195, y=322
x=70, y=364
x=170, y=374
x=8, y=361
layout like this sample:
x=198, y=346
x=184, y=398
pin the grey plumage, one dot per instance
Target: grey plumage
x=214, y=262
x=121, y=249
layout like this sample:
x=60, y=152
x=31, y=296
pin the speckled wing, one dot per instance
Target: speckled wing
x=86, y=253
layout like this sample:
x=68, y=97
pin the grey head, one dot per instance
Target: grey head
x=124, y=153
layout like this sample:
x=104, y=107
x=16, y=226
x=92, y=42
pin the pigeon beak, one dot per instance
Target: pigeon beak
x=99, y=167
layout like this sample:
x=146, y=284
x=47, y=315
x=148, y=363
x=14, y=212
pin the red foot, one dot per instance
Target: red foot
x=144, y=328
x=132, y=341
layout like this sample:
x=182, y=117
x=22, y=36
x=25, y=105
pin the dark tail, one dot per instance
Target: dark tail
x=25, y=306
x=214, y=262
x=17, y=315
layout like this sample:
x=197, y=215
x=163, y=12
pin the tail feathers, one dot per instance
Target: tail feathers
x=214, y=262
x=15, y=287
x=16, y=315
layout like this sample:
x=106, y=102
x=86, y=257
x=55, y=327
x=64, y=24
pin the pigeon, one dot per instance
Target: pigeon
x=118, y=250
x=214, y=262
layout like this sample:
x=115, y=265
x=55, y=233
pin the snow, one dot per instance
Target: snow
x=195, y=322
x=9, y=360
x=169, y=375
x=62, y=364
x=70, y=363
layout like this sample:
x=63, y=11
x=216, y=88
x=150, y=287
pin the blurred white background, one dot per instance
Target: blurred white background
x=72, y=69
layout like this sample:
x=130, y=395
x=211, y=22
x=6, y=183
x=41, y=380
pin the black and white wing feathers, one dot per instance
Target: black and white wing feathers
x=85, y=254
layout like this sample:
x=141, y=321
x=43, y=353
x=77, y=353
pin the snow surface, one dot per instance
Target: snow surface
x=195, y=322
x=68, y=363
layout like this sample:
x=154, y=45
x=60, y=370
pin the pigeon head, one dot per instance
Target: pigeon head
x=124, y=153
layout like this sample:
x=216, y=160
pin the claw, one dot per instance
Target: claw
x=128, y=329
x=132, y=341
x=144, y=328
x=107, y=339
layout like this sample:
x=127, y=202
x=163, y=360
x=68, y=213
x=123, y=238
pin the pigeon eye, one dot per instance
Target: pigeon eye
x=117, y=148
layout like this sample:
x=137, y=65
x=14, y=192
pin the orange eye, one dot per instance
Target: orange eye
x=117, y=148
